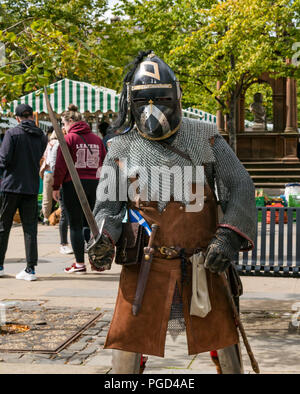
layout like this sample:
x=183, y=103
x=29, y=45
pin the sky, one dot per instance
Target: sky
x=111, y=4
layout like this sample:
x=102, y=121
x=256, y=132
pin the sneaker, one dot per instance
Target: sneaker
x=26, y=275
x=64, y=249
x=1, y=271
x=46, y=222
x=75, y=270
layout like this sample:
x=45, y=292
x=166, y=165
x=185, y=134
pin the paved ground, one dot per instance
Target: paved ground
x=267, y=307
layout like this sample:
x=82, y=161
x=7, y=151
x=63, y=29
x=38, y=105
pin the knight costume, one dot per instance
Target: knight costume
x=155, y=135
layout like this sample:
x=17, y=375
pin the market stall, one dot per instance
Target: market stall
x=200, y=115
x=92, y=101
x=87, y=97
x=96, y=103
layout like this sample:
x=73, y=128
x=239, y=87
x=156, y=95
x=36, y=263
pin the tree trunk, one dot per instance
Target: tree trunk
x=232, y=120
x=232, y=117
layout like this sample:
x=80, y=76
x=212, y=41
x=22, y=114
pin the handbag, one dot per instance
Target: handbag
x=130, y=246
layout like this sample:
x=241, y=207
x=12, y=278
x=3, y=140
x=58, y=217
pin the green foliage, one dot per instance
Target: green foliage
x=204, y=41
x=233, y=41
x=48, y=40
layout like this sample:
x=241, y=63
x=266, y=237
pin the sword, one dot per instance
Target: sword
x=236, y=315
x=74, y=174
x=144, y=272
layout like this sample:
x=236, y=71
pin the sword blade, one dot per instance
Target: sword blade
x=73, y=172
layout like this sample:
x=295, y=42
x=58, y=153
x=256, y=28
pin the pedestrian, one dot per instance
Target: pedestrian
x=102, y=127
x=88, y=152
x=49, y=132
x=46, y=174
x=156, y=136
x=63, y=221
x=20, y=156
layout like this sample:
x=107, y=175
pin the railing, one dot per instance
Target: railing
x=277, y=244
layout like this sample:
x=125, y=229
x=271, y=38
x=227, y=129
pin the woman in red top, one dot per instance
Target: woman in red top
x=88, y=152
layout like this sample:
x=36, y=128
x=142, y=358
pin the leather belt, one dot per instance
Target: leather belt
x=173, y=252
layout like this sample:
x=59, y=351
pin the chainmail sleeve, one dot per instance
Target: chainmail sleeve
x=108, y=205
x=236, y=192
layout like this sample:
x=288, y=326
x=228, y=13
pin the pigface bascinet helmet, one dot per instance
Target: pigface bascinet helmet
x=154, y=99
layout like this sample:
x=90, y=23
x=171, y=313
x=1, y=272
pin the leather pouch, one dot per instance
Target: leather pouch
x=130, y=247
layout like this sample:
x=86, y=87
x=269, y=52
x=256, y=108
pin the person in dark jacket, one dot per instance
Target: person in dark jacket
x=20, y=155
x=88, y=153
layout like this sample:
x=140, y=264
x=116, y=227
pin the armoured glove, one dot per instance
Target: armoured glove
x=101, y=253
x=222, y=250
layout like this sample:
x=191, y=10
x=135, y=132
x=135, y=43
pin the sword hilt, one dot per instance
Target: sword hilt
x=148, y=249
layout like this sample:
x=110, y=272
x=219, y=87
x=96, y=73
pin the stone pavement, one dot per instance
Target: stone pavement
x=267, y=307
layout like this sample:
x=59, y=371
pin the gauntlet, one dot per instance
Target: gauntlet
x=222, y=249
x=101, y=253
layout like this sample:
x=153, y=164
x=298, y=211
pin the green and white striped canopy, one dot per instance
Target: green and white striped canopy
x=88, y=98
x=201, y=115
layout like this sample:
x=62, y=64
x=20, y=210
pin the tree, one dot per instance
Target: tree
x=48, y=40
x=205, y=41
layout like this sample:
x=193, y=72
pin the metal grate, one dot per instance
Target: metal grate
x=50, y=331
x=277, y=244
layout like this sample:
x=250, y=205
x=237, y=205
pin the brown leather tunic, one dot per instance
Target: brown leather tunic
x=146, y=332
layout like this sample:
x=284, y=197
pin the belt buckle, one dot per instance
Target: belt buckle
x=167, y=251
